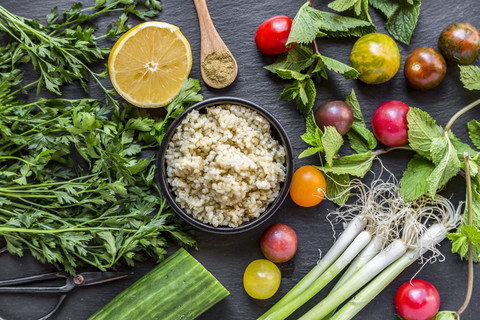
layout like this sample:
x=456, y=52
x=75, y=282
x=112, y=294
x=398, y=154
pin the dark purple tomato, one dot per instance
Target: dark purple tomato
x=425, y=68
x=337, y=114
x=272, y=35
x=279, y=243
x=389, y=122
x=459, y=43
x=417, y=300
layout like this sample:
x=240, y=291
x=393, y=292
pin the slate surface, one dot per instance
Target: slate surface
x=227, y=256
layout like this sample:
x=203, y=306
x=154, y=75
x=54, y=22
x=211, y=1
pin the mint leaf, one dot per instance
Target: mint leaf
x=474, y=132
x=296, y=59
x=313, y=135
x=290, y=74
x=291, y=92
x=356, y=165
x=387, y=7
x=445, y=315
x=470, y=76
x=332, y=141
x=361, y=139
x=414, y=180
x=309, y=152
x=338, y=188
x=342, y=5
x=461, y=147
x=444, y=156
x=422, y=129
x=345, y=70
x=305, y=26
x=357, y=112
x=402, y=22
x=310, y=23
x=461, y=238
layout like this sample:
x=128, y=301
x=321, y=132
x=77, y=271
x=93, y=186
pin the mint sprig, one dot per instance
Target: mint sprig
x=402, y=15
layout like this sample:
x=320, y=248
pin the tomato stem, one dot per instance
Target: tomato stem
x=459, y=113
x=470, y=253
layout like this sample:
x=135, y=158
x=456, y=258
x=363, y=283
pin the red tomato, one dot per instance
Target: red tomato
x=459, y=43
x=279, y=243
x=417, y=300
x=272, y=35
x=308, y=186
x=425, y=68
x=389, y=122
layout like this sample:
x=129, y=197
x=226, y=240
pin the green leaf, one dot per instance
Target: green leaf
x=291, y=92
x=357, y=112
x=309, y=152
x=361, y=139
x=310, y=23
x=342, y=5
x=305, y=25
x=414, y=180
x=445, y=315
x=331, y=141
x=356, y=165
x=313, y=135
x=402, y=22
x=387, y=7
x=345, y=70
x=338, y=188
x=474, y=132
x=289, y=74
x=422, y=129
x=470, y=77
x=444, y=156
x=296, y=59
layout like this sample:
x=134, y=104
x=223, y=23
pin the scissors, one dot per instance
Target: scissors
x=71, y=282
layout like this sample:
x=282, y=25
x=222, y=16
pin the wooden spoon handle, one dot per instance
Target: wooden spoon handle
x=211, y=41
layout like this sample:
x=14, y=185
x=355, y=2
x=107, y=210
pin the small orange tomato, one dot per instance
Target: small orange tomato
x=308, y=186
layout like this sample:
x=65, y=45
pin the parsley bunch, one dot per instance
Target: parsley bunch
x=77, y=176
x=62, y=49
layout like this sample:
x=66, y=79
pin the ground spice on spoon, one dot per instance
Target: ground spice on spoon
x=219, y=68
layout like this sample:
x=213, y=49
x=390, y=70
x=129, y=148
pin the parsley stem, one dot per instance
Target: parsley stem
x=459, y=113
x=470, y=252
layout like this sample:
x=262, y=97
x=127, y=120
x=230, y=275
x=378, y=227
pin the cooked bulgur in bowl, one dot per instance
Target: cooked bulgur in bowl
x=225, y=165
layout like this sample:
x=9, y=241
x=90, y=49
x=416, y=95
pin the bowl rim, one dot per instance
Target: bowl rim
x=272, y=208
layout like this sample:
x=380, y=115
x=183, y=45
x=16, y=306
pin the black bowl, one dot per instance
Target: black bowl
x=277, y=132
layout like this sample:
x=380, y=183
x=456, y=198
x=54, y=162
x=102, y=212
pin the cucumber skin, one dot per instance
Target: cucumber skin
x=178, y=288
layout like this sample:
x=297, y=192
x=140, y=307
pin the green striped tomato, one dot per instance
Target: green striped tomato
x=376, y=57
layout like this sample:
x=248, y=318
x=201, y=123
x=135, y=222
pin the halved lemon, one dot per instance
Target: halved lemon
x=149, y=63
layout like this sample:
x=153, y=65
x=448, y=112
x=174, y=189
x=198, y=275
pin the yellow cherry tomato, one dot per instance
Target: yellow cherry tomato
x=261, y=279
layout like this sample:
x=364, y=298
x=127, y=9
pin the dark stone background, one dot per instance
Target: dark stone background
x=226, y=257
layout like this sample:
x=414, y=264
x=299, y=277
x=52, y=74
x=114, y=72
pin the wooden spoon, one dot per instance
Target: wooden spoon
x=213, y=43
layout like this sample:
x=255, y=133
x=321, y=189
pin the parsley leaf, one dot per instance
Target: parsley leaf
x=470, y=77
